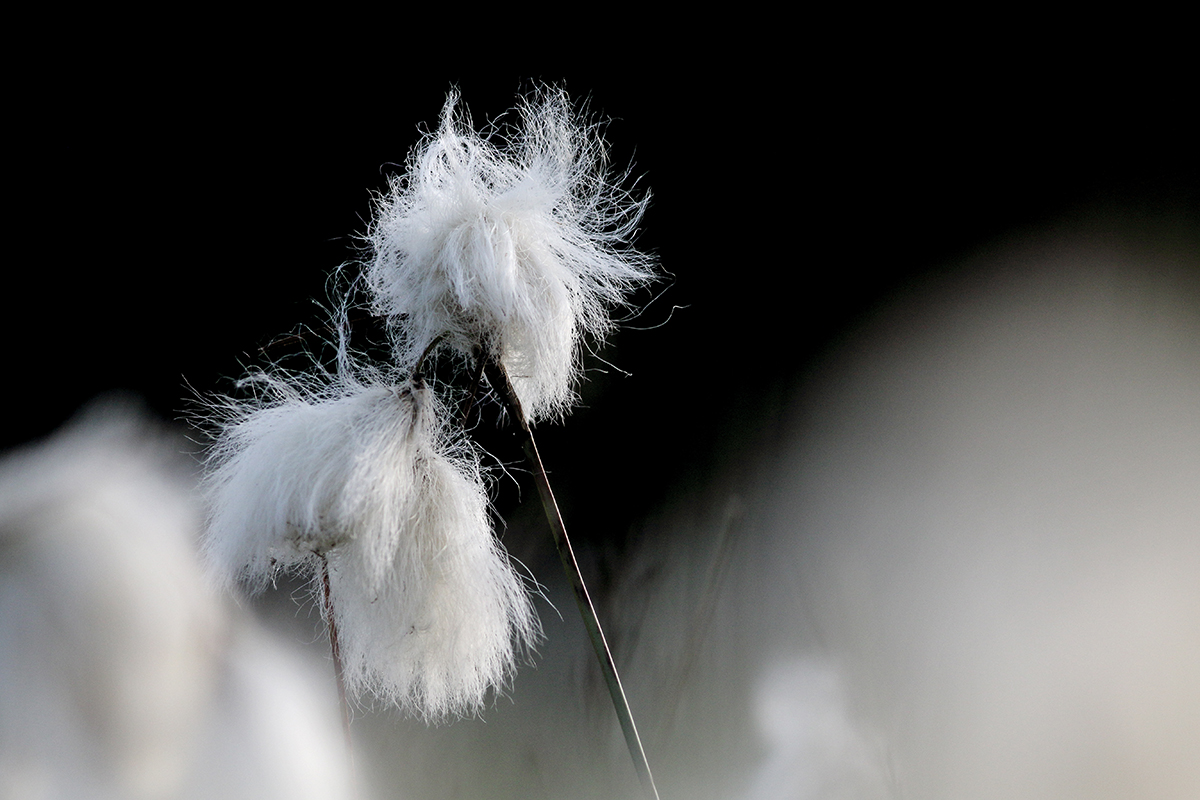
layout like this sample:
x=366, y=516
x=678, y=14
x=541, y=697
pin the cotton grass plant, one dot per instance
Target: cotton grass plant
x=362, y=486
x=504, y=252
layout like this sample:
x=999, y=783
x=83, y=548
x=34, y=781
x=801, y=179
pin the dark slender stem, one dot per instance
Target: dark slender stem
x=429, y=348
x=498, y=378
x=336, y=650
x=476, y=378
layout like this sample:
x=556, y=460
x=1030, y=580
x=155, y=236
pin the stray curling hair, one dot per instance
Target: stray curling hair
x=430, y=612
x=516, y=243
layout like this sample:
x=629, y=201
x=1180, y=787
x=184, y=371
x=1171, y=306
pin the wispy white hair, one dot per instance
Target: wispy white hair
x=515, y=242
x=429, y=610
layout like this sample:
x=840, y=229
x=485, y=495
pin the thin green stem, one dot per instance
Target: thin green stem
x=498, y=378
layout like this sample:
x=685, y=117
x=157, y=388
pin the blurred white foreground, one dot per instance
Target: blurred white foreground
x=121, y=674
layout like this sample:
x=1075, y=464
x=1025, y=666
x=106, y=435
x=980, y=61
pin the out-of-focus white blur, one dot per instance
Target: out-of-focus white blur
x=965, y=560
x=959, y=558
x=121, y=674
x=990, y=509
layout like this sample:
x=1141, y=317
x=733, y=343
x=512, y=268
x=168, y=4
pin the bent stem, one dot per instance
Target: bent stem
x=498, y=377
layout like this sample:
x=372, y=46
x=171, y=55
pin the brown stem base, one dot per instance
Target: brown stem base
x=336, y=650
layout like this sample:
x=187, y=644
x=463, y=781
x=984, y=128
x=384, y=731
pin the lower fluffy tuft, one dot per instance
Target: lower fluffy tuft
x=430, y=612
x=450, y=620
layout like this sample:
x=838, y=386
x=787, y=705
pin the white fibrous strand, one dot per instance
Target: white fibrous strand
x=430, y=612
x=517, y=242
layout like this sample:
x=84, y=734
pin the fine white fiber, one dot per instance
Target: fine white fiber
x=429, y=611
x=515, y=242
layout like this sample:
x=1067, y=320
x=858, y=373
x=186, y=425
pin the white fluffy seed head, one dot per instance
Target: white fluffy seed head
x=449, y=622
x=307, y=472
x=517, y=243
x=430, y=612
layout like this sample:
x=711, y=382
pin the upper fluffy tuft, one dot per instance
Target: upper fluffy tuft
x=516, y=243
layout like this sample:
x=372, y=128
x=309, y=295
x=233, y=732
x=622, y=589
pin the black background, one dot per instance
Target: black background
x=180, y=193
